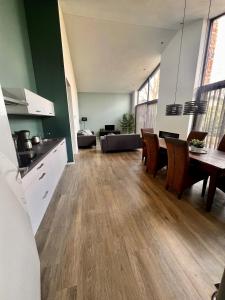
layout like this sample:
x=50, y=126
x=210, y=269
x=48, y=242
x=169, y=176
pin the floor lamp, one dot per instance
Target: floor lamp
x=84, y=119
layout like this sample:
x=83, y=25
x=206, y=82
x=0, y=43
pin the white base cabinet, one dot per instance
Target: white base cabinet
x=40, y=183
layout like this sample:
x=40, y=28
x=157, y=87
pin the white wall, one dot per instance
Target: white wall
x=69, y=73
x=191, y=52
x=102, y=109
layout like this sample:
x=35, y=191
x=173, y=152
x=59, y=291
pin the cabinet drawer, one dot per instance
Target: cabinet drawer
x=38, y=196
x=36, y=173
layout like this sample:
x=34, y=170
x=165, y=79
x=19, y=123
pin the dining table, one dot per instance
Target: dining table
x=213, y=163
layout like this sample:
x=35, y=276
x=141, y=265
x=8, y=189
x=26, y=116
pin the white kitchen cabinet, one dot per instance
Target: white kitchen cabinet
x=27, y=103
x=40, y=183
x=19, y=261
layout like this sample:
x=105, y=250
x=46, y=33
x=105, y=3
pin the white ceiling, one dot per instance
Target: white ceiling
x=115, y=44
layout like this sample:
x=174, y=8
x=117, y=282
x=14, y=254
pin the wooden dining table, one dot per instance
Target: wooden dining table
x=212, y=162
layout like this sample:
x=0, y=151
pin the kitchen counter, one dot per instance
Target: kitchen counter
x=40, y=150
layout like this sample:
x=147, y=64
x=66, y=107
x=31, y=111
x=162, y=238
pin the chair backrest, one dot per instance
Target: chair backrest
x=165, y=134
x=221, y=146
x=178, y=162
x=152, y=145
x=198, y=135
x=146, y=130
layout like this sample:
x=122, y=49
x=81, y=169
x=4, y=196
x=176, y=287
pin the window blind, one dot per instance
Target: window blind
x=146, y=115
x=213, y=121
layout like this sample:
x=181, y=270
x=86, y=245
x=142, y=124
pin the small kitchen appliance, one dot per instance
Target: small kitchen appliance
x=23, y=140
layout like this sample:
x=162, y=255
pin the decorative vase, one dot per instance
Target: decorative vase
x=196, y=149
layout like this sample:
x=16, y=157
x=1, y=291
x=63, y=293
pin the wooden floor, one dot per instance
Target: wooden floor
x=112, y=232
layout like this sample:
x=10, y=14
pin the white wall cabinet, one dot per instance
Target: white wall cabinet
x=29, y=103
x=40, y=183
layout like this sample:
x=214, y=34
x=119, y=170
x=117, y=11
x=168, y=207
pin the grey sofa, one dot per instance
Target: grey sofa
x=86, y=141
x=120, y=142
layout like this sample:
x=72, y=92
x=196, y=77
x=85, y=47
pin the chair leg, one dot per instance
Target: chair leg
x=167, y=186
x=145, y=160
x=204, y=186
x=179, y=195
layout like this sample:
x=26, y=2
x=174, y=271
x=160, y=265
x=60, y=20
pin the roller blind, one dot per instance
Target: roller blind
x=146, y=115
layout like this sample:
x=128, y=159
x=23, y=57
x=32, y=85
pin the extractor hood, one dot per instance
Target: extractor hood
x=12, y=101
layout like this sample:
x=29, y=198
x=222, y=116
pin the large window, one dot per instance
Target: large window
x=150, y=88
x=213, y=88
x=146, y=110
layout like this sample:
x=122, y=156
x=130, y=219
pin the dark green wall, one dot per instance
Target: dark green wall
x=16, y=68
x=45, y=40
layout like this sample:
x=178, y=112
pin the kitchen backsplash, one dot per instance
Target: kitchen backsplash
x=34, y=125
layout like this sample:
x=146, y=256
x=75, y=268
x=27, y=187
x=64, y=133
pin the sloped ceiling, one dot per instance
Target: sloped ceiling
x=115, y=44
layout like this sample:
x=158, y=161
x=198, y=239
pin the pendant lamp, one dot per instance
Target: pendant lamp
x=198, y=106
x=176, y=109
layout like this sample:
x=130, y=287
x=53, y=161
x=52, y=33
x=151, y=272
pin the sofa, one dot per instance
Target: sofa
x=120, y=142
x=86, y=141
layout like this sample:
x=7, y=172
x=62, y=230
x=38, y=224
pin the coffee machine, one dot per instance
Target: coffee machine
x=23, y=140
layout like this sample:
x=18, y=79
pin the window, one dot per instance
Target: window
x=215, y=59
x=213, y=88
x=143, y=93
x=150, y=88
x=146, y=110
x=154, y=85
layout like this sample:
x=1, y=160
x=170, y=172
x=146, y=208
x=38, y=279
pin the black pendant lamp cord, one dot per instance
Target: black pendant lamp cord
x=181, y=43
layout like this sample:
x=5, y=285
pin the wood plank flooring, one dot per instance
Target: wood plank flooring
x=112, y=232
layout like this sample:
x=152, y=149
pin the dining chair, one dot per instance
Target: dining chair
x=182, y=174
x=156, y=157
x=221, y=146
x=198, y=135
x=144, y=150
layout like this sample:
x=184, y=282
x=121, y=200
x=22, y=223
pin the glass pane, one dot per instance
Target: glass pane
x=154, y=85
x=143, y=94
x=215, y=64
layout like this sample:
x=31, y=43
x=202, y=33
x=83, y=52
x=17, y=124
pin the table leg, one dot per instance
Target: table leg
x=212, y=189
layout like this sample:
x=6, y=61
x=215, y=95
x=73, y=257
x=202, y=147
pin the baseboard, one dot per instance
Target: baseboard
x=70, y=163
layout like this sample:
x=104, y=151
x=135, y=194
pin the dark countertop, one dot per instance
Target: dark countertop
x=40, y=151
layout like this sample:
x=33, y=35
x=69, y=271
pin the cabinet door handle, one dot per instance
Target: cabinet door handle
x=38, y=111
x=62, y=143
x=45, y=195
x=55, y=151
x=41, y=165
x=42, y=176
x=50, y=113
